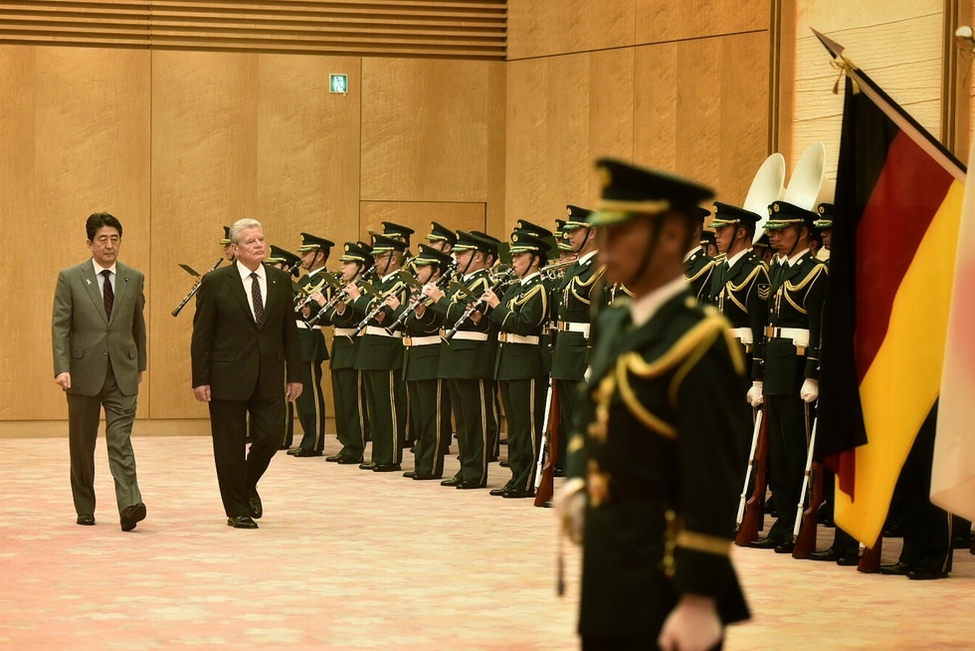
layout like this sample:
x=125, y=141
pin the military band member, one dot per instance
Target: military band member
x=428, y=403
x=698, y=266
x=347, y=390
x=467, y=360
x=228, y=249
x=521, y=368
x=441, y=238
x=654, y=465
x=581, y=283
x=401, y=233
x=311, y=404
x=286, y=261
x=380, y=356
x=763, y=250
x=790, y=372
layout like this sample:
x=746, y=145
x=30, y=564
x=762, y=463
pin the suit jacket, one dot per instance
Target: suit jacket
x=232, y=353
x=86, y=340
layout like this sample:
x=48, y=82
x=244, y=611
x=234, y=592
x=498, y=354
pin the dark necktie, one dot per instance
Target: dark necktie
x=256, y=295
x=108, y=293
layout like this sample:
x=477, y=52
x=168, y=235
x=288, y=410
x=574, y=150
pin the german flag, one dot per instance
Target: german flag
x=897, y=212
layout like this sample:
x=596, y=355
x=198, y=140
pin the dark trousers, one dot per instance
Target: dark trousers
x=311, y=407
x=289, y=426
x=83, y=414
x=239, y=469
x=524, y=405
x=472, y=402
x=386, y=402
x=349, y=408
x=787, y=459
x=430, y=410
x=568, y=401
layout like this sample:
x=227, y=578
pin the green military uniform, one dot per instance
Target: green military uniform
x=467, y=363
x=347, y=387
x=290, y=261
x=698, y=268
x=380, y=358
x=429, y=406
x=521, y=367
x=658, y=448
x=494, y=422
x=792, y=337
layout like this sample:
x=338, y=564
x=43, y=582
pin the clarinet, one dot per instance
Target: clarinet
x=419, y=299
x=336, y=298
x=196, y=288
x=498, y=281
x=374, y=312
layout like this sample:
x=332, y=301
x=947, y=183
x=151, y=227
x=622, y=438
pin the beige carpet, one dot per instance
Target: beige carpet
x=347, y=559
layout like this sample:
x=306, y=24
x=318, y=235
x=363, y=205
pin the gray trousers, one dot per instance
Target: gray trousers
x=83, y=415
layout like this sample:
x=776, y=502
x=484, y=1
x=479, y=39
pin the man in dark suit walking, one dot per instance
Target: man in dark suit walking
x=244, y=336
x=99, y=337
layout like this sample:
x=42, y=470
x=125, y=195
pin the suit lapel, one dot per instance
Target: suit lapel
x=273, y=294
x=90, y=282
x=237, y=289
x=121, y=286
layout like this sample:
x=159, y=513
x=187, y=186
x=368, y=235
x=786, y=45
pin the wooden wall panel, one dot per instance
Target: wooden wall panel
x=425, y=127
x=75, y=128
x=418, y=215
x=538, y=28
x=659, y=21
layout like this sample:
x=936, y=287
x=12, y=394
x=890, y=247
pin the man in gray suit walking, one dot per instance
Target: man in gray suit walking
x=99, y=337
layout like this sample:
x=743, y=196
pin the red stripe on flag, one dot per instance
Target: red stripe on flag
x=910, y=189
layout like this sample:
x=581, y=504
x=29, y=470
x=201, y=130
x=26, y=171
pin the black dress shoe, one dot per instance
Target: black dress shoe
x=409, y=474
x=497, y=492
x=366, y=466
x=503, y=464
x=86, y=520
x=926, y=575
x=897, y=569
x=334, y=458
x=558, y=472
x=453, y=481
x=241, y=522
x=468, y=485
x=424, y=477
x=132, y=515
x=302, y=452
x=293, y=451
x=257, y=506
x=764, y=543
x=849, y=559
x=387, y=467
x=961, y=542
x=347, y=461
x=894, y=531
x=785, y=548
x=828, y=555
x=516, y=493
x=284, y=447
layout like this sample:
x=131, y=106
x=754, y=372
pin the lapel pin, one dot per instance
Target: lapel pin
x=87, y=281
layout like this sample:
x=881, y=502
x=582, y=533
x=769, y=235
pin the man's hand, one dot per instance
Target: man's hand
x=294, y=390
x=432, y=292
x=570, y=506
x=392, y=301
x=202, y=392
x=319, y=298
x=693, y=625
x=810, y=390
x=63, y=380
x=754, y=395
x=352, y=290
x=490, y=298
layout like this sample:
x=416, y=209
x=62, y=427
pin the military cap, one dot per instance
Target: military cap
x=396, y=230
x=440, y=233
x=528, y=242
x=707, y=237
x=783, y=214
x=226, y=236
x=384, y=244
x=825, y=221
x=431, y=256
x=577, y=217
x=311, y=242
x=476, y=241
x=287, y=258
x=762, y=241
x=356, y=252
x=528, y=227
x=629, y=191
x=725, y=214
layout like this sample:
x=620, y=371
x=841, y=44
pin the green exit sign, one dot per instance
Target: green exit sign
x=338, y=83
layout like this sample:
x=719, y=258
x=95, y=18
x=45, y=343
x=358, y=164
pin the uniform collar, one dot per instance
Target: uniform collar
x=529, y=278
x=643, y=308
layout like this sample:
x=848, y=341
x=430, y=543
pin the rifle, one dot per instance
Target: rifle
x=870, y=560
x=754, y=515
x=806, y=540
x=196, y=287
x=549, y=450
x=800, y=508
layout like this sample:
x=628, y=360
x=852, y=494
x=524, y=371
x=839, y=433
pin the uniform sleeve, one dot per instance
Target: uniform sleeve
x=815, y=300
x=61, y=326
x=528, y=317
x=757, y=304
x=204, y=321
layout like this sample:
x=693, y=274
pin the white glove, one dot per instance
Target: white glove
x=754, y=395
x=570, y=506
x=810, y=390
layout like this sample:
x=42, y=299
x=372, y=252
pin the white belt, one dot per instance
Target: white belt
x=381, y=332
x=572, y=326
x=304, y=326
x=421, y=341
x=470, y=335
x=510, y=338
x=344, y=332
x=799, y=336
x=742, y=334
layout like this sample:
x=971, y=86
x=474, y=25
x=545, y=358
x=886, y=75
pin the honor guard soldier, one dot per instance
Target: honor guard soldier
x=654, y=463
x=467, y=356
x=582, y=283
x=824, y=224
x=710, y=247
x=287, y=261
x=520, y=316
x=347, y=389
x=790, y=372
x=428, y=403
x=698, y=266
x=311, y=403
x=380, y=356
